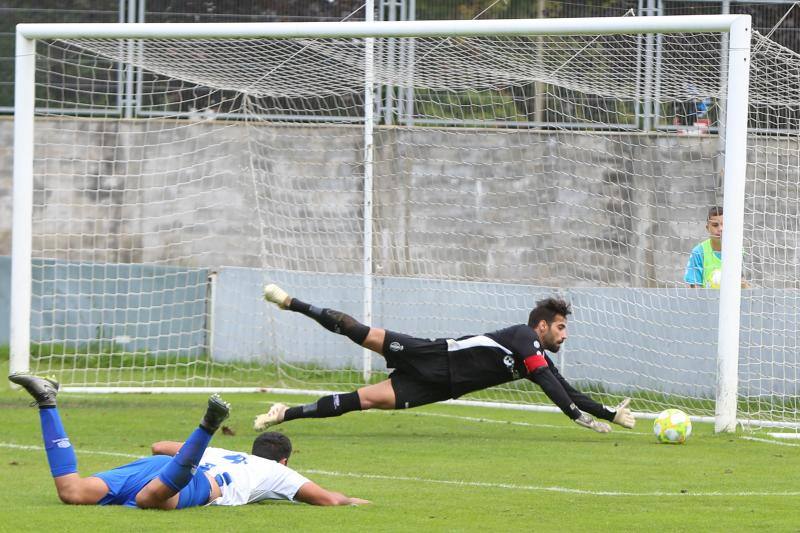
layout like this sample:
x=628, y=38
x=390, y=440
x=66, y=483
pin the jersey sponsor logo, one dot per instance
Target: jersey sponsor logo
x=396, y=346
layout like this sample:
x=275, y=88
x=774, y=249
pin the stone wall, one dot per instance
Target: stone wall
x=541, y=207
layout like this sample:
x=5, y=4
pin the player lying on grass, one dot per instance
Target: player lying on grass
x=181, y=475
x=427, y=371
x=262, y=475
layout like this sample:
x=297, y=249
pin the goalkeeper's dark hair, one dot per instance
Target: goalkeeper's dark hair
x=272, y=445
x=715, y=211
x=547, y=310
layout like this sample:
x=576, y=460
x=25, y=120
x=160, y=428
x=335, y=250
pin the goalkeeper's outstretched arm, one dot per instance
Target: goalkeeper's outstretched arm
x=554, y=390
x=620, y=415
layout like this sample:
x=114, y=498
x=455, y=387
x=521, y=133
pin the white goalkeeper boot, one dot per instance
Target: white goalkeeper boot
x=272, y=417
x=276, y=295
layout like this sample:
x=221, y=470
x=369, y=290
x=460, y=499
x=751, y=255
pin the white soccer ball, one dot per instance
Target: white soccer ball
x=672, y=427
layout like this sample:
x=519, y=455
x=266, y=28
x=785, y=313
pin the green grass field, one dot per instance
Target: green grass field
x=439, y=468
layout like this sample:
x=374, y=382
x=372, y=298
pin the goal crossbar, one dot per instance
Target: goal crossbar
x=428, y=28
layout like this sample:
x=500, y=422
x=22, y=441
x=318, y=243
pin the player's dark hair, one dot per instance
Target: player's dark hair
x=715, y=211
x=272, y=445
x=547, y=310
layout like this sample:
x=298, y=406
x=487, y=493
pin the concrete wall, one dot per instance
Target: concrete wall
x=6, y=179
x=5, y=299
x=547, y=208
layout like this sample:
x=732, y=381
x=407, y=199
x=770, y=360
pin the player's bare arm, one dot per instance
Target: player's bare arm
x=313, y=494
x=165, y=447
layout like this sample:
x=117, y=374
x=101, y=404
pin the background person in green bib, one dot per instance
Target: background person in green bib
x=704, y=268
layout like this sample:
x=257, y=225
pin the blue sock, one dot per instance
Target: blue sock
x=179, y=472
x=60, y=454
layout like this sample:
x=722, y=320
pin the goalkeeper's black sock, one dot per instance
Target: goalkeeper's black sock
x=333, y=320
x=325, y=407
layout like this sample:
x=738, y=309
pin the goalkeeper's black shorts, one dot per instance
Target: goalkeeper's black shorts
x=422, y=369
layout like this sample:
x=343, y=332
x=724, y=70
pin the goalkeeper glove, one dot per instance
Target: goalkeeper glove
x=624, y=416
x=587, y=421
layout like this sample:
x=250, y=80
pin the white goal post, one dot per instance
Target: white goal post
x=219, y=107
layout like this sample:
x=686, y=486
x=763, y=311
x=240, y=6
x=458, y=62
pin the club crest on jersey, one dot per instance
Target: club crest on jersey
x=396, y=346
x=509, y=362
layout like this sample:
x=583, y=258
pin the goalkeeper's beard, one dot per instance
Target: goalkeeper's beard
x=551, y=346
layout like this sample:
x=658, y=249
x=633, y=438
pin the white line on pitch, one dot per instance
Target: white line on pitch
x=770, y=441
x=553, y=426
x=476, y=484
x=393, y=412
x=535, y=488
x=87, y=452
x=495, y=421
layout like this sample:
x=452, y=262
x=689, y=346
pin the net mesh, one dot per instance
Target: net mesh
x=173, y=178
x=769, y=365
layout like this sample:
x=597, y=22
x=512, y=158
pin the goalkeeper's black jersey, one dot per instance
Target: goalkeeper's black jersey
x=481, y=361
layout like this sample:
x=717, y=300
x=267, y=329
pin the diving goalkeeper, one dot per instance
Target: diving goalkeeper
x=428, y=371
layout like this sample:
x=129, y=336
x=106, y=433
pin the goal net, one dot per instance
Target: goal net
x=769, y=377
x=174, y=177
